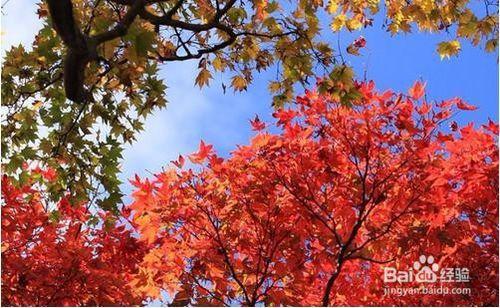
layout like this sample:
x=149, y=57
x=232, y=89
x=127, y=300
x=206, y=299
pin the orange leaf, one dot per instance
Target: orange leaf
x=257, y=124
x=204, y=151
x=417, y=90
x=464, y=106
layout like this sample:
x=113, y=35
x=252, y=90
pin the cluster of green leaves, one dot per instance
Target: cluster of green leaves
x=84, y=141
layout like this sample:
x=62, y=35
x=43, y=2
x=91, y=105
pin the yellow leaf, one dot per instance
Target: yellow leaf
x=37, y=104
x=332, y=6
x=467, y=29
x=218, y=64
x=239, y=83
x=353, y=24
x=18, y=117
x=203, y=78
x=338, y=22
x=274, y=86
x=343, y=73
x=491, y=45
x=448, y=49
x=41, y=60
x=353, y=50
x=113, y=83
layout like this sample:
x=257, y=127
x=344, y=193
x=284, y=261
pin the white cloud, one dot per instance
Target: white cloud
x=191, y=115
x=19, y=23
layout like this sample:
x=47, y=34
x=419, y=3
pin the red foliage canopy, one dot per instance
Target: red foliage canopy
x=57, y=259
x=313, y=215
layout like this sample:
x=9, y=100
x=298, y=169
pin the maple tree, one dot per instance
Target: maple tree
x=311, y=215
x=53, y=255
x=356, y=180
x=105, y=56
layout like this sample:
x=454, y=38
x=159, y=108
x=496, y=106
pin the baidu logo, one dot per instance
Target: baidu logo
x=426, y=270
x=432, y=279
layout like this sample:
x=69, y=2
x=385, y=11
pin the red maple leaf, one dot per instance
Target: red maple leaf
x=464, y=106
x=417, y=90
x=202, y=154
x=257, y=124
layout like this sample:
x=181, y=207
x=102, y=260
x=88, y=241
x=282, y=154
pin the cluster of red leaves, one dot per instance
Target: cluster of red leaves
x=311, y=216
x=57, y=259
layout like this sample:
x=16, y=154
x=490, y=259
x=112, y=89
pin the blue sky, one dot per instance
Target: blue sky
x=222, y=120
